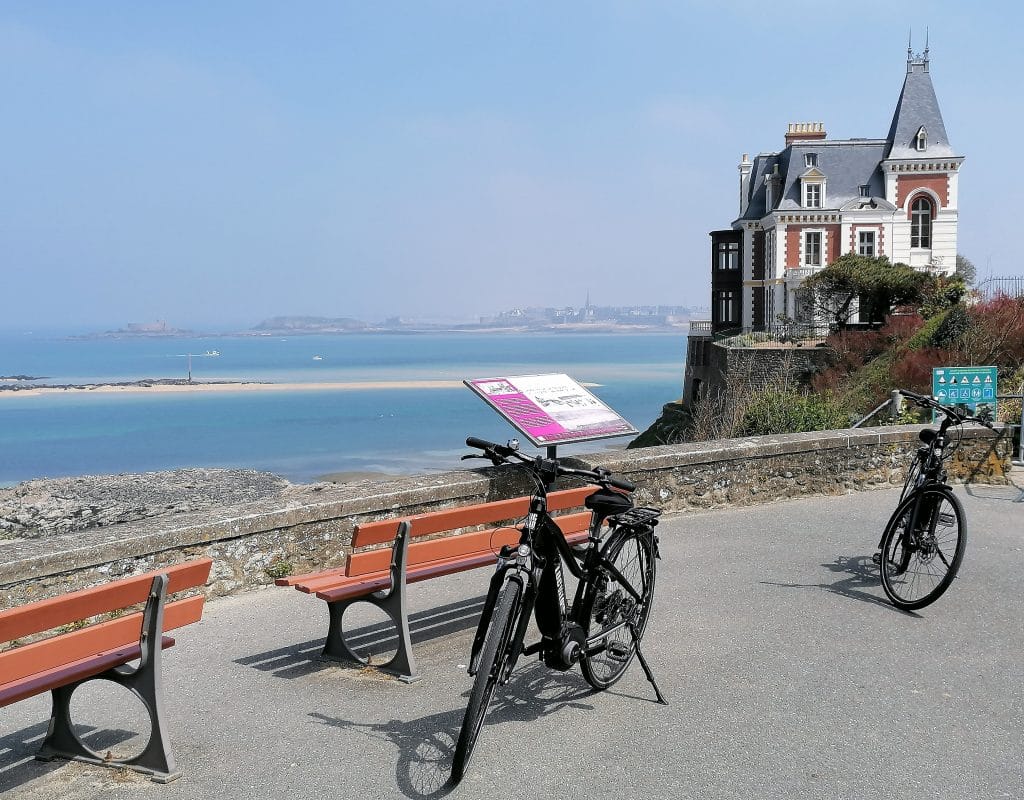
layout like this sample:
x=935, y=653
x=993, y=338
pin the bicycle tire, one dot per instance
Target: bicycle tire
x=918, y=566
x=493, y=659
x=607, y=605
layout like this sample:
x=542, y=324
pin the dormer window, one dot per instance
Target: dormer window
x=921, y=139
x=810, y=159
x=865, y=190
x=812, y=195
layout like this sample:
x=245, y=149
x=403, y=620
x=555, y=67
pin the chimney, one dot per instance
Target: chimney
x=745, y=168
x=804, y=132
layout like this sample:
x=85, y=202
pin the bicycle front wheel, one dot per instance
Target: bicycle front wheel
x=494, y=657
x=922, y=547
x=616, y=609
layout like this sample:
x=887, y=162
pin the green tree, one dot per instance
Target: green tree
x=941, y=292
x=872, y=286
x=965, y=269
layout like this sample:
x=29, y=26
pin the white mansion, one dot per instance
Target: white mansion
x=817, y=198
x=802, y=207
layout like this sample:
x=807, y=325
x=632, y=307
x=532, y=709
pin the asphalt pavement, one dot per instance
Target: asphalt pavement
x=787, y=672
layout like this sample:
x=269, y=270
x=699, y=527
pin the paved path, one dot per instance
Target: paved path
x=789, y=676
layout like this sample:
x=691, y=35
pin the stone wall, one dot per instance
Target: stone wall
x=253, y=543
x=762, y=364
x=713, y=363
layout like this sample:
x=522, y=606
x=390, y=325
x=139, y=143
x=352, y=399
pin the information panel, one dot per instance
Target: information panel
x=550, y=409
x=972, y=387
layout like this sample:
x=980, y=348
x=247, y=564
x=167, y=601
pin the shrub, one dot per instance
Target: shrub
x=787, y=410
x=279, y=569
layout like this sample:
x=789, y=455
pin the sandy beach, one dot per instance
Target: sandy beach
x=179, y=388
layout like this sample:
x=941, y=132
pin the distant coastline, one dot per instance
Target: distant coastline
x=588, y=319
x=411, y=330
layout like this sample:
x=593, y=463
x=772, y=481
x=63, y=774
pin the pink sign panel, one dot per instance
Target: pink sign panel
x=550, y=409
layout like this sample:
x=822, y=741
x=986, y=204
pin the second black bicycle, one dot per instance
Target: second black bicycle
x=924, y=541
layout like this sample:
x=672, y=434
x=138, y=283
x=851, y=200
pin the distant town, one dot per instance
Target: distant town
x=588, y=318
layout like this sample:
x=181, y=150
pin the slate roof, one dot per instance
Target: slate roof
x=918, y=106
x=846, y=165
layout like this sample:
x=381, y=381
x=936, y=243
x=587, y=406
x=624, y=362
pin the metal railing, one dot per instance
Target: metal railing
x=1012, y=286
x=895, y=405
x=796, y=332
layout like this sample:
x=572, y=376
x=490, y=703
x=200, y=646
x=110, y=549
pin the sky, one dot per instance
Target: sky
x=213, y=164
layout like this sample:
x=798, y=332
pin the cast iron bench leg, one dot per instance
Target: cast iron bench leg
x=144, y=681
x=392, y=602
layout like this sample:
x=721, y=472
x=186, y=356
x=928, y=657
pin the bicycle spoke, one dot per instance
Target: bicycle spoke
x=618, y=607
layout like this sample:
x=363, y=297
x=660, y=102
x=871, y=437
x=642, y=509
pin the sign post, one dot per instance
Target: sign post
x=550, y=409
x=972, y=388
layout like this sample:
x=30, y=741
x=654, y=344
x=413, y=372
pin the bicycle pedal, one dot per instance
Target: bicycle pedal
x=946, y=520
x=617, y=651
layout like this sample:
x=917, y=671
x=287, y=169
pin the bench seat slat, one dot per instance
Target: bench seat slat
x=294, y=580
x=44, y=615
x=114, y=634
x=13, y=691
x=342, y=588
x=465, y=517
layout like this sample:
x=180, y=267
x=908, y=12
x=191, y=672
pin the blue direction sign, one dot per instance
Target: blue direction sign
x=969, y=387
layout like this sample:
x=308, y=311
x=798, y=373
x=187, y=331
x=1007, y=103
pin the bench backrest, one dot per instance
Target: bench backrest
x=64, y=648
x=433, y=522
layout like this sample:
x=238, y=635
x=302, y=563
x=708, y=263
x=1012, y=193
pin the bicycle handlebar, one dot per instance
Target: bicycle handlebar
x=502, y=453
x=929, y=402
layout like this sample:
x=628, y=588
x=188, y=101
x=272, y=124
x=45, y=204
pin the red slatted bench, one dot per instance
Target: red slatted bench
x=64, y=661
x=379, y=575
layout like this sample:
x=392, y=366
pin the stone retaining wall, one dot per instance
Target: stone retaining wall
x=251, y=544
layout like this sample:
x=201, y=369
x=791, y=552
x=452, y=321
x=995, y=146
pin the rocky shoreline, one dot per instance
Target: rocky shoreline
x=20, y=383
x=59, y=506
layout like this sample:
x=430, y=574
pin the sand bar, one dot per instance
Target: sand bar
x=182, y=388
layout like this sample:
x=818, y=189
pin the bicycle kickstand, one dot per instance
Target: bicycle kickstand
x=643, y=663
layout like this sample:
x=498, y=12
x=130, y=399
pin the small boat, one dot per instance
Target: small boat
x=318, y=358
x=212, y=353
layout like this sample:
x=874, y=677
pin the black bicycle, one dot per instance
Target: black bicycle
x=924, y=541
x=601, y=629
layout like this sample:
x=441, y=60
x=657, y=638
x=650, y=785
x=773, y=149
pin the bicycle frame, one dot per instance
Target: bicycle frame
x=537, y=564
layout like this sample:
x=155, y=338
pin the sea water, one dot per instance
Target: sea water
x=303, y=434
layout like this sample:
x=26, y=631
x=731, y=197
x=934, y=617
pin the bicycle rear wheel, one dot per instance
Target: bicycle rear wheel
x=922, y=547
x=494, y=656
x=614, y=615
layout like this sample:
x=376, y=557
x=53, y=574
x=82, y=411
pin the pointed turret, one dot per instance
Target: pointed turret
x=917, y=130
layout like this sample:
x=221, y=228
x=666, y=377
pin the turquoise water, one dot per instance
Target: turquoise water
x=303, y=434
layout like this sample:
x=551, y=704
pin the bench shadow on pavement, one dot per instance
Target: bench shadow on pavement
x=425, y=746
x=297, y=660
x=18, y=764
x=859, y=581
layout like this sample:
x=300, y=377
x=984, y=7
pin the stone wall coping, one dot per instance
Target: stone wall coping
x=694, y=453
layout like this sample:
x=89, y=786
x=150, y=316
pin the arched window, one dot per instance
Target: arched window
x=921, y=223
x=921, y=139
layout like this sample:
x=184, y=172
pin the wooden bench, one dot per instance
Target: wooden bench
x=103, y=650
x=379, y=575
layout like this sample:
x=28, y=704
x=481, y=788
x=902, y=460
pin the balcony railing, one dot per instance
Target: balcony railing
x=774, y=334
x=800, y=274
x=700, y=326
